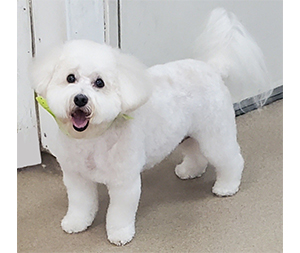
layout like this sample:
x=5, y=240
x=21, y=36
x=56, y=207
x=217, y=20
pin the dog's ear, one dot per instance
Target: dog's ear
x=42, y=69
x=134, y=82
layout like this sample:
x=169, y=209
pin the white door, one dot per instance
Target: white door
x=27, y=129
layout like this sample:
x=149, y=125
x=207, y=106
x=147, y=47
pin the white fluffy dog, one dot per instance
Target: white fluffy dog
x=118, y=118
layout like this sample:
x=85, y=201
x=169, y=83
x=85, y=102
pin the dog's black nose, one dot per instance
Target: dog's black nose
x=80, y=100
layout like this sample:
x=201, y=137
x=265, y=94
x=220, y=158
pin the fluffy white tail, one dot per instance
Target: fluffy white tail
x=226, y=45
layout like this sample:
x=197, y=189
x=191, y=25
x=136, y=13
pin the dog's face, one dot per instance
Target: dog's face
x=87, y=85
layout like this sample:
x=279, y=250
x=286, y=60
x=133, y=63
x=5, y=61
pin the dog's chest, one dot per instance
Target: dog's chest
x=83, y=156
x=95, y=161
x=89, y=162
x=93, y=158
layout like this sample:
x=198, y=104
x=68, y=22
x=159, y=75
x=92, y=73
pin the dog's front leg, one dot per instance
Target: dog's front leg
x=83, y=202
x=120, y=219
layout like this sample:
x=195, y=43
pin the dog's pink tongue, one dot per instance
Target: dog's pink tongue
x=79, y=119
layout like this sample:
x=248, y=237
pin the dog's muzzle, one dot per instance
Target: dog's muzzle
x=80, y=115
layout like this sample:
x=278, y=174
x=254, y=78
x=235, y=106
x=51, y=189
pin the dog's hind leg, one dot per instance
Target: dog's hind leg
x=194, y=163
x=223, y=152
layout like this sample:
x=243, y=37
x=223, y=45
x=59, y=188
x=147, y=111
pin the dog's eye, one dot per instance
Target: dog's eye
x=99, y=83
x=71, y=78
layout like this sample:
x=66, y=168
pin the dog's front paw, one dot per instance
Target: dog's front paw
x=121, y=236
x=74, y=224
x=224, y=190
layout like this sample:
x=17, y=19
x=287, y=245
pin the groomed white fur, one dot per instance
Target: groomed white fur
x=168, y=103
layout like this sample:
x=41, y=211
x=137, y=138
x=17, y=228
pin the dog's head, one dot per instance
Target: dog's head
x=87, y=85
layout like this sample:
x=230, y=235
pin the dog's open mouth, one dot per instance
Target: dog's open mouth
x=80, y=120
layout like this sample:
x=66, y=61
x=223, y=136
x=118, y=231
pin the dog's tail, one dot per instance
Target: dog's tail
x=226, y=45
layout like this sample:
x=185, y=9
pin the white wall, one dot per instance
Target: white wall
x=162, y=31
